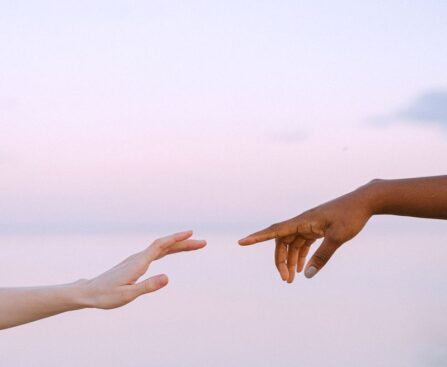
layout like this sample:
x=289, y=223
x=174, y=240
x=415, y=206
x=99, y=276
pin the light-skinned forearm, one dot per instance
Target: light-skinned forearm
x=424, y=197
x=22, y=305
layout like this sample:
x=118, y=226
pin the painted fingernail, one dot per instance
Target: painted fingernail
x=310, y=272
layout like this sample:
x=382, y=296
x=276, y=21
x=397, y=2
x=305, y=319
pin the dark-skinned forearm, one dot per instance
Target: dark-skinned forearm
x=424, y=197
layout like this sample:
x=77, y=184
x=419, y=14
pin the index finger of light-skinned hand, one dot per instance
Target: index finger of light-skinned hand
x=165, y=243
x=282, y=229
x=187, y=245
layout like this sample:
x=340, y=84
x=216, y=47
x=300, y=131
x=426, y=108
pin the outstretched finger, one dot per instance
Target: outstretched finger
x=282, y=229
x=187, y=245
x=161, y=246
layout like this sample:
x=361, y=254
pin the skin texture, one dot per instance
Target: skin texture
x=341, y=219
x=114, y=288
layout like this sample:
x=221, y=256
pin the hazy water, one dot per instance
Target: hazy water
x=381, y=302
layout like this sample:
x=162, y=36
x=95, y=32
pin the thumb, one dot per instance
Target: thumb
x=151, y=284
x=320, y=257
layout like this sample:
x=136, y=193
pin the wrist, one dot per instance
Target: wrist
x=372, y=196
x=81, y=294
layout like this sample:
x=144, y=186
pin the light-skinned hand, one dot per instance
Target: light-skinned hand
x=119, y=285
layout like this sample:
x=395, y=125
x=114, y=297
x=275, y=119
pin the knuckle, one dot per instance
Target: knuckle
x=158, y=246
x=374, y=181
x=315, y=228
x=157, y=242
x=161, y=244
x=288, y=240
x=147, y=287
x=274, y=228
x=140, y=266
x=301, y=227
x=278, y=263
x=321, y=258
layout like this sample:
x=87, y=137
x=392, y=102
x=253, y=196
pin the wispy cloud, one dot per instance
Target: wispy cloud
x=429, y=107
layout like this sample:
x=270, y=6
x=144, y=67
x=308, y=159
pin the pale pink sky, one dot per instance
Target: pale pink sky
x=150, y=117
x=377, y=303
x=167, y=114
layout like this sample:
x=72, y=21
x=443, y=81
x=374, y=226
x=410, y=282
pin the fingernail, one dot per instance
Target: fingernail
x=310, y=272
x=162, y=280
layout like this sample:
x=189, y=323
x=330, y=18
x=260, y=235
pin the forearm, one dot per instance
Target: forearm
x=424, y=197
x=22, y=305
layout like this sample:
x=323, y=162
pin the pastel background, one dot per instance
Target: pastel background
x=124, y=121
